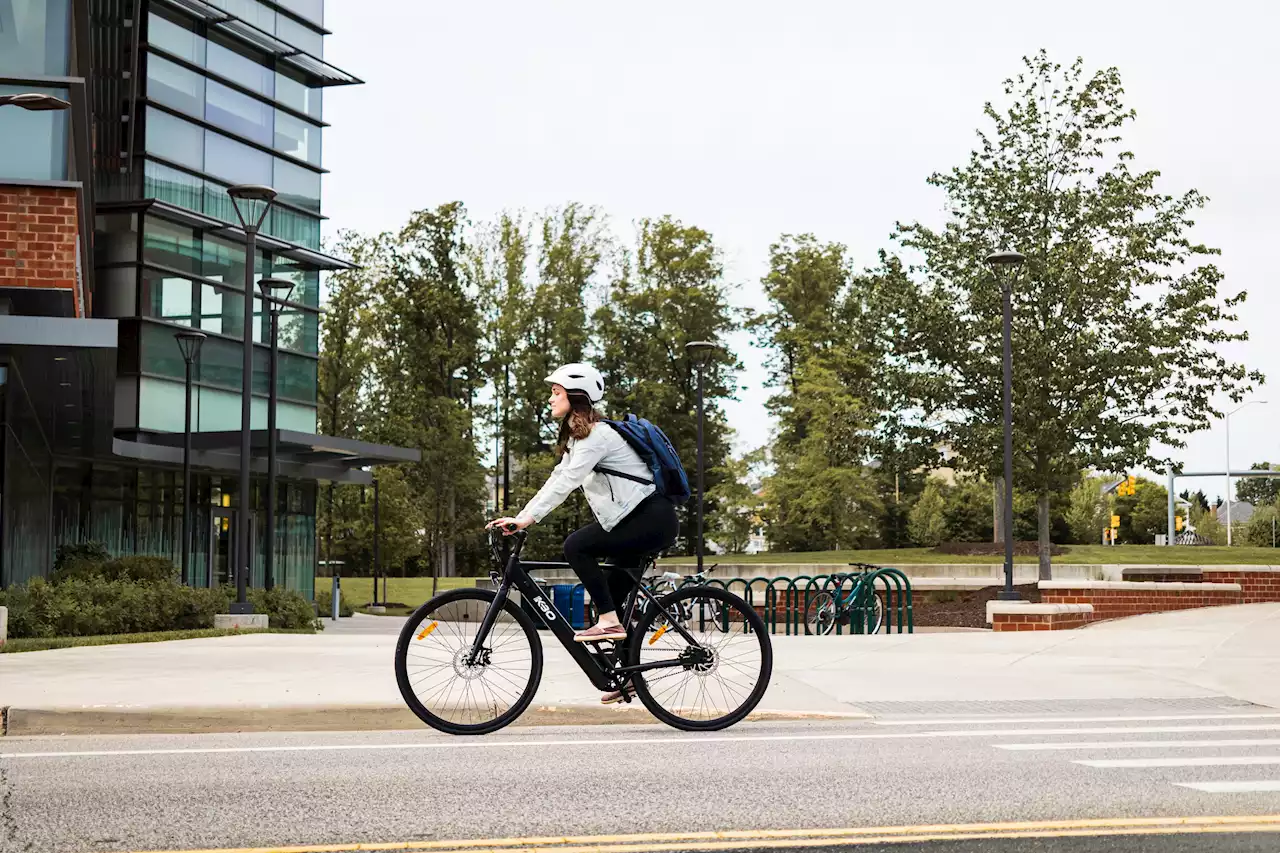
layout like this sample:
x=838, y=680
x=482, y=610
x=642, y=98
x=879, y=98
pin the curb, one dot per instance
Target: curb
x=34, y=722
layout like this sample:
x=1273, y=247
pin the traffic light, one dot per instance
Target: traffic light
x=1115, y=522
x=1177, y=523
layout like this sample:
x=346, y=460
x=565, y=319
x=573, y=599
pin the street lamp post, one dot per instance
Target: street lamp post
x=1006, y=266
x=34, y=101
x=252, y=202
x=700, y=351
x=275, y=292
x=1227, y=420
x=189, y=343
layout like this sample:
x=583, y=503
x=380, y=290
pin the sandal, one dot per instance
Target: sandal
x=616, y=696
x=601, y=633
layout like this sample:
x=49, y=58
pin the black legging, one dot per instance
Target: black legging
x=651, y=527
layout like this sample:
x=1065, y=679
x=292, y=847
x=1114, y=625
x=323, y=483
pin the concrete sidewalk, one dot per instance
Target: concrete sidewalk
x=343, y=677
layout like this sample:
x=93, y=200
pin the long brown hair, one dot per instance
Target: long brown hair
x=578, y=423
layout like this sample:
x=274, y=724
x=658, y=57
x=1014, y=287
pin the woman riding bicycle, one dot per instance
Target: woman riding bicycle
x=632, y=519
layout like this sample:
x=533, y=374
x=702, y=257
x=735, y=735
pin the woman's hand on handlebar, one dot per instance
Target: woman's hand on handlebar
x=509, y=526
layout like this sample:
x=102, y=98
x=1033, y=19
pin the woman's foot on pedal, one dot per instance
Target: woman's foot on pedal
x=601, y=634
x=616, y=696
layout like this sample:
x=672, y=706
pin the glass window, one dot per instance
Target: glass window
x=300, y=35
x=167, y=297
x=161, y=403
x=171, y=245
x=174, y=86
x=297, y=376
x=251, y=11
x=240, y=65
x=172, y=185
x=222, y=363
x=221, y=311
x=297, y=95
x=34, y=143
x=239, y=114
x=160, y=352
x=312, y=10
x=177, y=36
x=298, y=138
x=297, y=185
x=300, y=330
x=224, y=261
x=174, y=139
x=296, y=228
x=306, y=289
x=236, y=162
x=35, y=38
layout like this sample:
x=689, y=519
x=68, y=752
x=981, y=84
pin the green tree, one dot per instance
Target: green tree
x=968, y=510
x=1206, y=524
x=669, y=293
x=1260, y=532
x=1258, y=491
x=927, y=521
x=736, y=497
x=1117, y=321
x=1148, y=516
x=428, y=371
x=1089, y=511
x=499, y=266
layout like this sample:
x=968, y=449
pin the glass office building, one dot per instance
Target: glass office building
x=173, y=102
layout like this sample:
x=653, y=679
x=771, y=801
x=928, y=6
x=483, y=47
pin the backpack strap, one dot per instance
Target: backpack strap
x=632, y=477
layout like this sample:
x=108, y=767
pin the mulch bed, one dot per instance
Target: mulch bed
x=967, y=610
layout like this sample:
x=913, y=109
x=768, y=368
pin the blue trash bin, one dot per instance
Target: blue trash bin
x=570, y=600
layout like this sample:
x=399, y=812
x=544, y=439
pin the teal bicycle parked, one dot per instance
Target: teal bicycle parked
x=848, y=599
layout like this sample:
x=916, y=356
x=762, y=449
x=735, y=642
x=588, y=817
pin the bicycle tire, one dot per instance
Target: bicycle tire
x=404, y=677
x=812, y=625
x=728, y=602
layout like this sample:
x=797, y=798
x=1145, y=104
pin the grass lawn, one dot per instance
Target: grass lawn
x=40, y=644
x=1076, y=555
x=411, y=591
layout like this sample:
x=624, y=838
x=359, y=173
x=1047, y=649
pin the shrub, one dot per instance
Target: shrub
x=78, y=560
x=80, y=607
x=135, y=567
x=286, y=609
x=324, y=602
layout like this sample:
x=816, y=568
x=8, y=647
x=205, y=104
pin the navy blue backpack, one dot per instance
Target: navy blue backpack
x=656, y=450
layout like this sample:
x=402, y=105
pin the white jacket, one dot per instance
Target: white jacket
x=611, y=498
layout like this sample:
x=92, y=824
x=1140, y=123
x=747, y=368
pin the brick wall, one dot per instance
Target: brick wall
x=1038, y=621
x=1115, y=599
x=38, y=228
x=1256, y=584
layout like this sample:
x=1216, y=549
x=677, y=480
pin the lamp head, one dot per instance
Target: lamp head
x=1007, y=258
x=701, y=350
x=277, y=289
x=251, y=201
x=189, y=343
x=35, y=101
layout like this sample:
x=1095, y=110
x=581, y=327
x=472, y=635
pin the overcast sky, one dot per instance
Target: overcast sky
x=753, y=119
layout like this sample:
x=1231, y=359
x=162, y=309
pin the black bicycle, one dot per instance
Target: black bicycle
x=469, y=661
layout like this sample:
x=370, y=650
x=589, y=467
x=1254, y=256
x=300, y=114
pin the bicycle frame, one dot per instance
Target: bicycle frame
x=599, y=665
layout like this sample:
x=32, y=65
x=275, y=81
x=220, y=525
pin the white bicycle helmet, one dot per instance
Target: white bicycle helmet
x=580, y=377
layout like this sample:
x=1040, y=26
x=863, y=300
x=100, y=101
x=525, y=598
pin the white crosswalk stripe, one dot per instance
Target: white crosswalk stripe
x=1168, y=745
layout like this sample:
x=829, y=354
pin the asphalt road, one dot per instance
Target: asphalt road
x=184, y=792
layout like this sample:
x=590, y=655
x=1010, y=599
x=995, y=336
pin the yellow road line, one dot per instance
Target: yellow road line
x=795, y=838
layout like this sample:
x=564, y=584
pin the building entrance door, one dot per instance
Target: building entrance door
x=222, y=545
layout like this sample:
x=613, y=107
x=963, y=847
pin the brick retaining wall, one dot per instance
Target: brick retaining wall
x=1256, y=584
x=1115, y=599
x=38, y=229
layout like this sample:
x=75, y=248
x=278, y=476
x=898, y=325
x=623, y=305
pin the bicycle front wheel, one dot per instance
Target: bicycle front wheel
x=451, y=686
x=714, y=682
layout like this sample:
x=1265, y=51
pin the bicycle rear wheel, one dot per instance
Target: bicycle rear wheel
x=720, y=678
x=444, y=686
